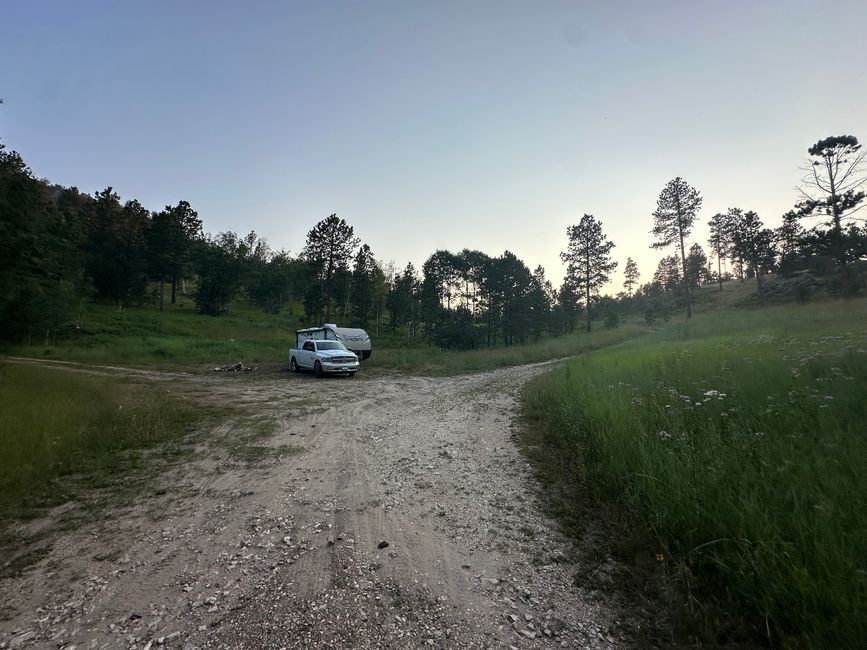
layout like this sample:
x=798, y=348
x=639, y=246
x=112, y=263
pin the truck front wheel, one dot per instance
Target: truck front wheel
x=293, y=365
x=317, y=369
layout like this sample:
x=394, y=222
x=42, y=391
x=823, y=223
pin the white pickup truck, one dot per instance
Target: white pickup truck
x=323, y=358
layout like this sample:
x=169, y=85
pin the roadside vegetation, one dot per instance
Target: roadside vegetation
x=737, y=441
x=431, y=361
x=70, y=437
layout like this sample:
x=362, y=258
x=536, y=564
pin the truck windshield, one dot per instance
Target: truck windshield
x=330, y=345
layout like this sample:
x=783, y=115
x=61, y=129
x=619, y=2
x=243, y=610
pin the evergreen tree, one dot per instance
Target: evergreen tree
x=667, y=276
x=754, y=245
x=789, y=238
x=719, y=241
x=833, y=185
x=279, y=280
x=314, y=302
x=696, y=266
x=567, y=305
x=588, y=259
x=365, y=272
x=673, y=219
x=218, y=263
x=169, y=243
x=631, y=276
x=115, y=245
x=329, y=248
x=541, y=298
x=402, y=298
x=733, y=219
x=40, y=264
x=508, y=283
x=252, y=255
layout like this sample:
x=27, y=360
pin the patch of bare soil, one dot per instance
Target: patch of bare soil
x=409, y=519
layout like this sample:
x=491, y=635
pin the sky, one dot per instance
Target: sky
x=433, y=124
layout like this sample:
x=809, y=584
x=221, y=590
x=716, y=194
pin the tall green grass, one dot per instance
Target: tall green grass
x=432, y=361
x=63, y=434
x=741, y=439
x=181, y=337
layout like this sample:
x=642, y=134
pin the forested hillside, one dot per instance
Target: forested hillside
x=61, y=248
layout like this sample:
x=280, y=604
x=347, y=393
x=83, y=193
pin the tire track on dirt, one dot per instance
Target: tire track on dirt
x=286, y=553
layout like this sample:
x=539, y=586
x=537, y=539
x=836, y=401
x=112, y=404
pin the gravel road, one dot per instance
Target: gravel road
x=408, y=518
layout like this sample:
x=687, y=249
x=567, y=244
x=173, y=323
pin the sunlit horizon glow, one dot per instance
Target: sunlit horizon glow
x=447, y=125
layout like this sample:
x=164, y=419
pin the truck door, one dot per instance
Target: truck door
x=307, y=354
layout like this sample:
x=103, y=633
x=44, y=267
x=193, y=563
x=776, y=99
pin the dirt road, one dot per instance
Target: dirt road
x=395, y=512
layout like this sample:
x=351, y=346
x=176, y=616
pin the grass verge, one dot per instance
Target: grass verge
x=738, y=441
x=72, y=438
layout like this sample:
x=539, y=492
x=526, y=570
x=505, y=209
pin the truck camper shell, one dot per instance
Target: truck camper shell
x=356, y=340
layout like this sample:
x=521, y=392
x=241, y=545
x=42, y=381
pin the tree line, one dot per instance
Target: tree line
x=60, y=247
x=828, y=255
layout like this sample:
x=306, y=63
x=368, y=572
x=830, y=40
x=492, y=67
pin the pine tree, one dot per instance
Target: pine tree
x=329, y=248
x=169, y=244
x=696, y=266
x=364, y=275
x=588, y=259
x=631, y=275
x=754, y=245
x=719, y=241
x=789, y=240
x=673, y=219
x=833, y=185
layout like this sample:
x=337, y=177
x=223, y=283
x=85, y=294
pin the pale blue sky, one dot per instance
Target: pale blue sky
x=489, y=125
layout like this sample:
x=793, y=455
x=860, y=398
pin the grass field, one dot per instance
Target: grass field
x=431, y=361
x=65, y=436
x=183, y=339
x=740, y=440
